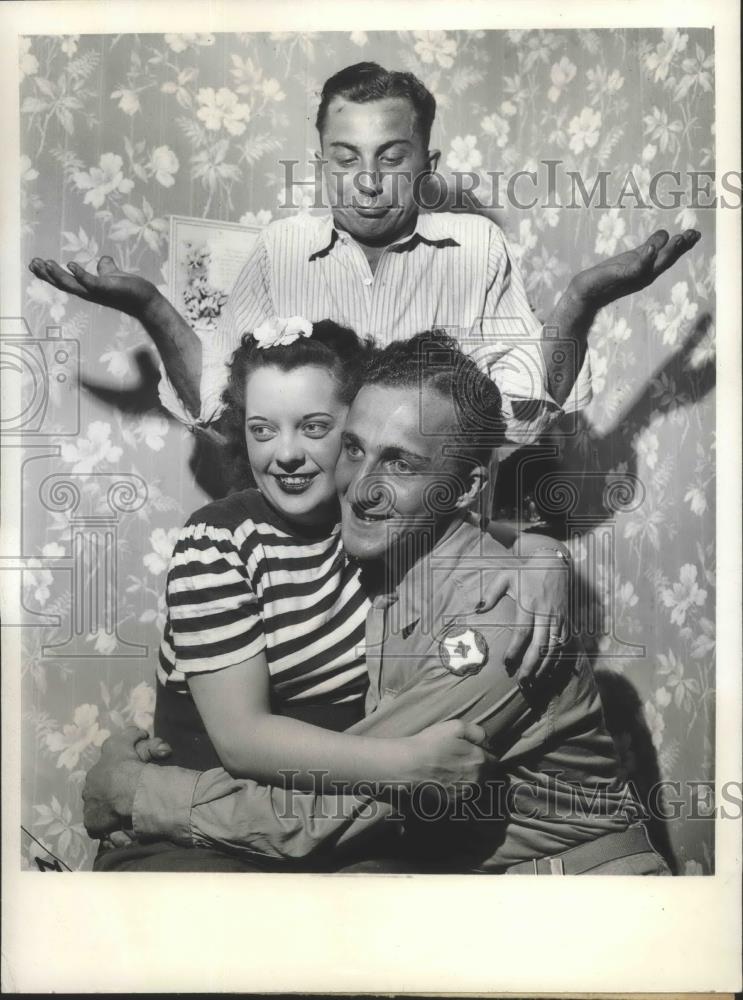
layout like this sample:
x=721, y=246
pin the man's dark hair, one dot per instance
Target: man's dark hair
x=334, y=348
x=435, y=360
x=368, y=81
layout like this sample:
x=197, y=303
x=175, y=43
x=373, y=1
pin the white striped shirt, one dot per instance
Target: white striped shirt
x=454, y=271
x=241, y=582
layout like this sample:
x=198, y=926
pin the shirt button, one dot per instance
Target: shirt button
x=368, y=281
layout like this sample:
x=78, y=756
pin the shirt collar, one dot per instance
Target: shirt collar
x=418, y=589
x=327, y=237
x=430, y=228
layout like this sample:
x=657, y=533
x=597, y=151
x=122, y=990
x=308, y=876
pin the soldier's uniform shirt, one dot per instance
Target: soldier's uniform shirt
x=430, y=657
x=454, y=271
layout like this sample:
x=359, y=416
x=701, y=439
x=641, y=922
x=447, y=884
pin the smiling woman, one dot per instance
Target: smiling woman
x=292, y=449
x=285, y=408
x=291, y=417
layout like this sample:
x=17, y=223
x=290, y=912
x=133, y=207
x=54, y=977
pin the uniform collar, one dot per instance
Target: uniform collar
x=418, y=591
x=430, y=229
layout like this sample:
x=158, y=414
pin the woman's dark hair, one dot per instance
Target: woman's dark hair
x=334, y=348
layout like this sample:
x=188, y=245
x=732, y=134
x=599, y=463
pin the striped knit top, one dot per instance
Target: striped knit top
x=242, y=581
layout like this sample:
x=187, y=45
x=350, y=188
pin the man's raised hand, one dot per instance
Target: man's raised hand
x=632, y=270
x=178, y=345
x=111, y=287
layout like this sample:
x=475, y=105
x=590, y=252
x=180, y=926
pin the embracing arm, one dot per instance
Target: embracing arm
x=252, y=743
x=536, y=574
x=213, y=808
x=219, y=643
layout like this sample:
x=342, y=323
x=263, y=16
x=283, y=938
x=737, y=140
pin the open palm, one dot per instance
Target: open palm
x=110, y=287
x=634, y=269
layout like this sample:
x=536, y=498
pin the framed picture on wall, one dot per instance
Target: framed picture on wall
x=206, y=256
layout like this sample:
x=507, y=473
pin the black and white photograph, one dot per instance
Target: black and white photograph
x=363, y=393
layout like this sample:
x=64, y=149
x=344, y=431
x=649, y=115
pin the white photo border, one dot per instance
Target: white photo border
x=389, y=934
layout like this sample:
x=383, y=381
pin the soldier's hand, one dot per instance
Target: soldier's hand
x=152, y=750
x=108, y=793
x=632, y=270
x=540, y=585
x=129, y=293
x=117, y=838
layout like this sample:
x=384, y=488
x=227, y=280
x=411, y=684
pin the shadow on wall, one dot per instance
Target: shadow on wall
x=572, y=485
x=214, y=466
x=625, y=721
x=572, y=473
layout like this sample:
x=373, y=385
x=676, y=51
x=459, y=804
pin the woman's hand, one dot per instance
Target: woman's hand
x=116, y=289
x=448, y=753
x=540, y=585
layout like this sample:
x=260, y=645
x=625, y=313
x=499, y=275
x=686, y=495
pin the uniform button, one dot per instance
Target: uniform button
x=368, y=281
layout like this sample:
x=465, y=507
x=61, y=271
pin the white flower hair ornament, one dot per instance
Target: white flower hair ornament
x=279, y=332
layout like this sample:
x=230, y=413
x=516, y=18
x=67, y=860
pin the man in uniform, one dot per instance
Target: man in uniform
x=415, y=455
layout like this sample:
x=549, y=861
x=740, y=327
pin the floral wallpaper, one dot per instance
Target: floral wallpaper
x=120, y=132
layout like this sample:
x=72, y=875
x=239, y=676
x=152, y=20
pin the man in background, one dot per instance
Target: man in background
x=378, y=265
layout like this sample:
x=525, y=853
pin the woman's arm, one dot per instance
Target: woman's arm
x=252, y=743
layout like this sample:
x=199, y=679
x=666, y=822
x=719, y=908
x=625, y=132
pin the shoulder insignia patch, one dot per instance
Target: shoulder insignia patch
x=463, y=650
